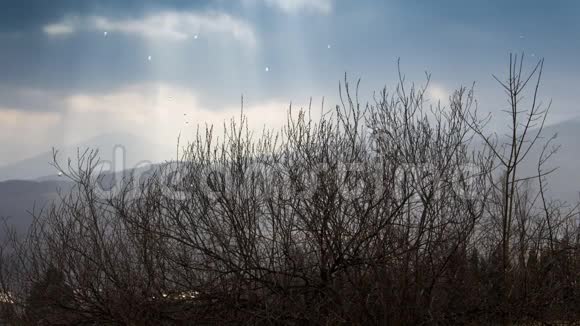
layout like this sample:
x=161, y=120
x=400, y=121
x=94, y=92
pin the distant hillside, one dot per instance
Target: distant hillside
x=18, y=198
x=136, y=152
x=564, y=183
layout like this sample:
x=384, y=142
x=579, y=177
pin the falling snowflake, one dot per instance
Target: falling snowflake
x=329, y=46
x=149, y=58
x=267, y=69
x=60, y=174
x=105, y=33
x=521, y=36
x=195, y=36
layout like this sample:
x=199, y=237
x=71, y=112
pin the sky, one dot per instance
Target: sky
x=71, y=70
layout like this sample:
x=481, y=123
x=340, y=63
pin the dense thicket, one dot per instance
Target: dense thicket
x=396, y=212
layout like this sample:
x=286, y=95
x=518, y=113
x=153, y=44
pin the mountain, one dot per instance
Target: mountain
x=41, y=183
x=116, y=152
x=19, y=198
x=564, y=183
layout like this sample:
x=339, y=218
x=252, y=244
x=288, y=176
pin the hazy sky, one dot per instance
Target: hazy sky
x=72, y=69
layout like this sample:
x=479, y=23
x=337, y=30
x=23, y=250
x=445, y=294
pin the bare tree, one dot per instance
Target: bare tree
x=384, y=213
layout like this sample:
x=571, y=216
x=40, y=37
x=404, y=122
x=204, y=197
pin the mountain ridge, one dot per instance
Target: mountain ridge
x=134, y=150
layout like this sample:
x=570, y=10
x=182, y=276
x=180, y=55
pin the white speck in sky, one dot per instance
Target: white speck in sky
x=149, y=58
x=105, y=33
x=329, y=46
x=195, y=36
x=267, y=69
x=521, y=36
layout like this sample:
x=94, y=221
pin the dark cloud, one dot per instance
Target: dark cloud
x=30, y=15
x=458, y=42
